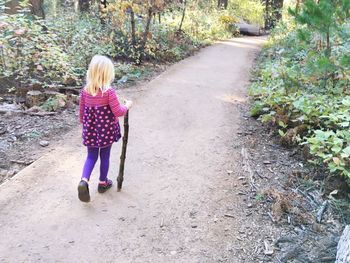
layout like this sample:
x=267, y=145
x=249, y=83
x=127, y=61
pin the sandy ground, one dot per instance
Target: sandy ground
x=177, y=202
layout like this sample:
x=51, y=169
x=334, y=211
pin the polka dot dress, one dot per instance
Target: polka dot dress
x=100, y=128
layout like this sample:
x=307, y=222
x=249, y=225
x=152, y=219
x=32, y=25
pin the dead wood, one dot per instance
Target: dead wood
x=120, y=178
x=248, y=168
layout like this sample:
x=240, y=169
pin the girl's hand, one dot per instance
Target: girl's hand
x=128, y=104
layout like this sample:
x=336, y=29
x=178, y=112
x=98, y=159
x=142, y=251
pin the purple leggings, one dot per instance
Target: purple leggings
x=91, y=161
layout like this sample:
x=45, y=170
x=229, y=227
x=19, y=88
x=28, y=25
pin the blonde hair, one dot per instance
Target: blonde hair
x=100, y=75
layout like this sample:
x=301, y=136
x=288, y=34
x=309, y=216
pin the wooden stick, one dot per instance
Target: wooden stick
x=22, y=162
x=120, y=178
x=271, y=217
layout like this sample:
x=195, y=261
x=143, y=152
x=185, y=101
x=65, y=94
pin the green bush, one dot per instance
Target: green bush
x=82, y=37
x=333, y=148
x=303, y=80
x=249, y=10
x=58, y=49
x=30, y=52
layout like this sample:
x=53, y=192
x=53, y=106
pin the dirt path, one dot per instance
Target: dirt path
x=176, y=193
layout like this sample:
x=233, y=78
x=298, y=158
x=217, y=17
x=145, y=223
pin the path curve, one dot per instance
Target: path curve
x=182, y=132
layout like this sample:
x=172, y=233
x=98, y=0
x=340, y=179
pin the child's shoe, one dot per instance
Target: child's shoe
x=83, y=191
x=103, y=187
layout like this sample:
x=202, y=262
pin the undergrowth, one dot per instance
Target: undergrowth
x=57, y=49
x=302, y=83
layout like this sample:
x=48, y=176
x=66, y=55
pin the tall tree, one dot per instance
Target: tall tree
x=102, y=8
x=133, y=28
x=277, y=6
x=36, y=8
x=183, y=14
x=84, y=5
x=146, y=32
x=149, y=7
x=321, y=18
x=273, y=12
x=267, y=15
x=297, y=5
x=12, y=7
x=223, y=4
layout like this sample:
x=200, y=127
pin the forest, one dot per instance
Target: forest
x=51, y=42
x=253, y=163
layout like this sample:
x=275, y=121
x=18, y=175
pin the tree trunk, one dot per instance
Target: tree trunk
x=145, y=33
x=102, y=9
x=36, y=8
x=222, y=4
x=103, y=4
x=84, y=5
x=133, y=30
x=12, y=7
x=267, y=14
x=277, y=8
x=297, y=6
x=328, y=43
x=183, y=14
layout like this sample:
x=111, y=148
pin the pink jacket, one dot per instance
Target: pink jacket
x=109, y=97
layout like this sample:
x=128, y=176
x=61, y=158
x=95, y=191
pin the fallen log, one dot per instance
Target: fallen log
x=34, y=98
x=73, y=90
x=22, y=162
x=40, y=114
x=343, y=249
x=2, y=111
x=249, y=29
x=37, y=111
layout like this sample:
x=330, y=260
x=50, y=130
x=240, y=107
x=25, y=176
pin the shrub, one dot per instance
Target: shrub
x=82, y=37
x=30, y=52
x=302, y=80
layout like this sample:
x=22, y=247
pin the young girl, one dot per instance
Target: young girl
x=99, y=112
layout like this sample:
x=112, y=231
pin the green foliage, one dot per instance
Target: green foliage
x=257, y=109
x=55, y=103
x=208, y=27
x=251, y=11
x=333, y=148
x=227, y=19
x=59, y=48
x=83, y=36
x=34, y=134
x=323, y=15
x=303, y=80
x=260, y=197
x=168, y=44
x=126, y=72
x=29, y=52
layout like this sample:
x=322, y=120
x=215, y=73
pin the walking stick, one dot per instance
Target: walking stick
x=120, y=178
